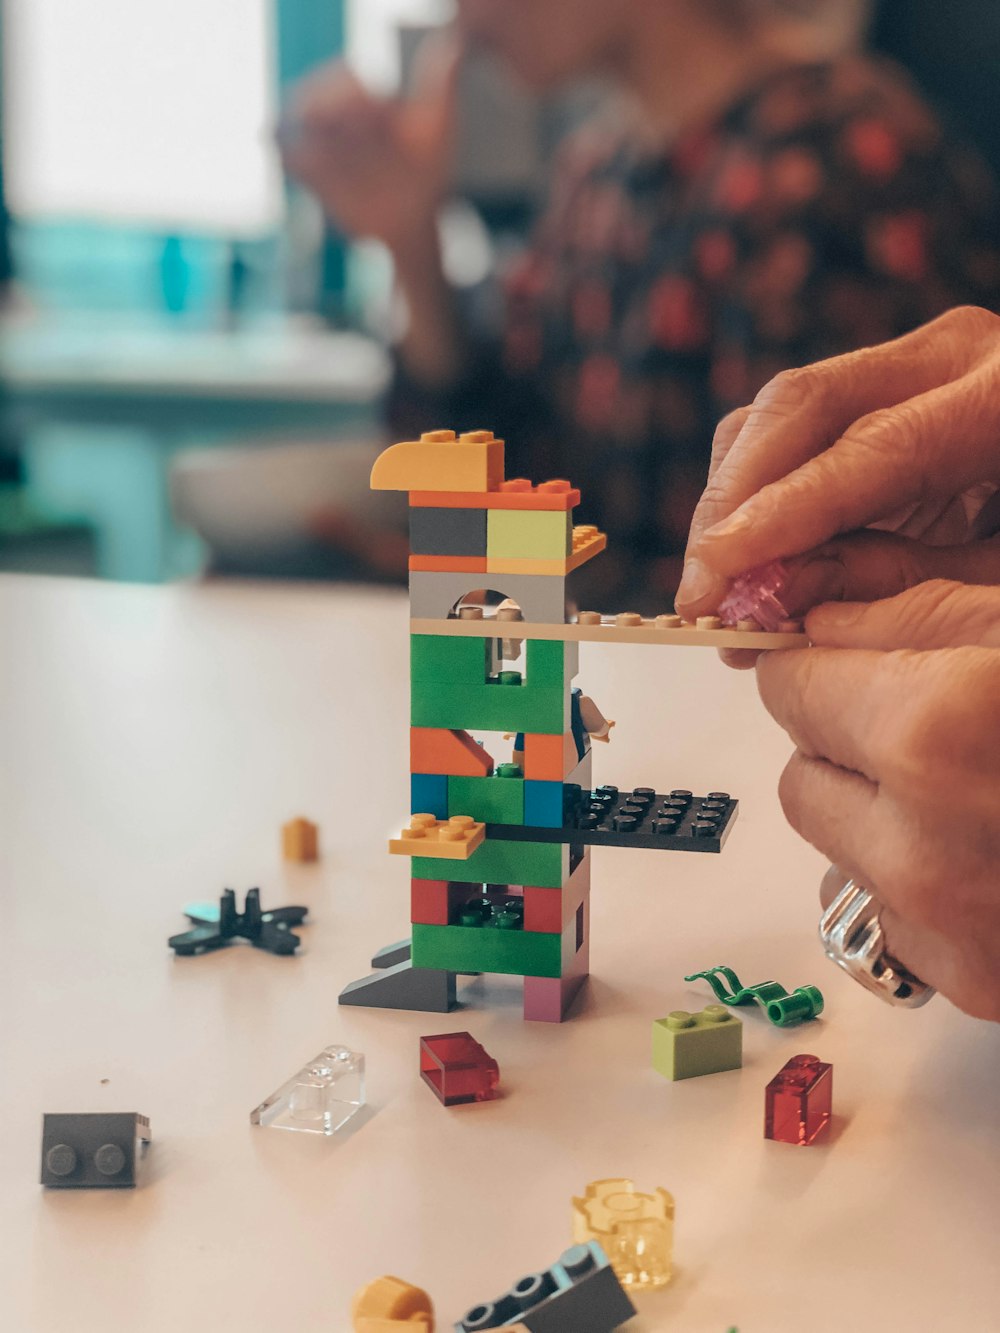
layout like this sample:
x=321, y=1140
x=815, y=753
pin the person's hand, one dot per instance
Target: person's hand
x=379, y=166
x=895, y=714
x=904, y=436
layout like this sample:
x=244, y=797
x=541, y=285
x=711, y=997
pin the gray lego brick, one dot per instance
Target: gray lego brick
x=578, y=1294
x=448, y=532
x=403, y=986
x=541, y=597
x=92, y=1150
x=390, y=954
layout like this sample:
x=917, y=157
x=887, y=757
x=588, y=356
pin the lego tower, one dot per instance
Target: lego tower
x=501, y=831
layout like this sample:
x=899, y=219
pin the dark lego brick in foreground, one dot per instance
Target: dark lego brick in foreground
x=448, y=532
x=578, y=1294
x=92, y=1150
x=673, y=821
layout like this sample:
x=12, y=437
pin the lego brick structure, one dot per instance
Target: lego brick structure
x=500, y=831
x=98, y=1150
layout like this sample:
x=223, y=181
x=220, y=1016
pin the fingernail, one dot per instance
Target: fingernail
x=697, y=581
x=836, y=615
x=738, y=523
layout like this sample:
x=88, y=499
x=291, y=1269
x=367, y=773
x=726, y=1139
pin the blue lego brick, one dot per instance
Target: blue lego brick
x=543, y=804
x=578, y=1294
x=429, y=794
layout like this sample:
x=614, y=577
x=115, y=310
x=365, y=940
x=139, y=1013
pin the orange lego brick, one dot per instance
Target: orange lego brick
x=300, y=840
x=437, y=750
x=440, y=462
x=518, y=493
x=389, y=1303
x=450, y=564
x=549, y=758
x=452, y=839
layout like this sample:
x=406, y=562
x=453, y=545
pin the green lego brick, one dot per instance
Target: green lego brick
x=542, y=709
x=545, y=865
x=528, y=535
x=494, y=800
x=688, y=1045
x=439, y=660
x=487, y=949
x=548, y=663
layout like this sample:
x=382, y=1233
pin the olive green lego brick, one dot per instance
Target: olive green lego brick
x=524, y=535
x=493, y=800
x=543, y=709
x=487, y=949
x=433, y=659
x=688, y=1045
x=545, y=865
x=437, y=531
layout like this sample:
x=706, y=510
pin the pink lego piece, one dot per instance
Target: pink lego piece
x=548, y=999
x=458, y=1069
x=754, y=596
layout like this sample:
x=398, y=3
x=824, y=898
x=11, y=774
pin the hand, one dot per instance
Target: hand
x=905, y=436
x=895, y=714
x=379, y=166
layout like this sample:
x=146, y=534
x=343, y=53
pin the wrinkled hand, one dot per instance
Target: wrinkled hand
x=895, y=714
x=379, y=166
x=905, y=436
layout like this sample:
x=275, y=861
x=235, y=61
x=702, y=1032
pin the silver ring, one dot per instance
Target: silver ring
x=853, y=939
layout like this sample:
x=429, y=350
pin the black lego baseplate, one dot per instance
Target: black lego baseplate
x=675, y=821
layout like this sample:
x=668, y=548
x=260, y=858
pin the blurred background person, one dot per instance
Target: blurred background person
x=760, y=194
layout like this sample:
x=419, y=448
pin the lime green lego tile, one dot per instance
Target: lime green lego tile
x=494, y=800
x=435, y=659
x=487, y=949
x=544, y=864
x=541, y=709
x=528, y=535
x=688, y=1045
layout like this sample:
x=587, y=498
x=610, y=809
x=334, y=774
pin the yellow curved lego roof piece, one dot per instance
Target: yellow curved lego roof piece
x=441, y=461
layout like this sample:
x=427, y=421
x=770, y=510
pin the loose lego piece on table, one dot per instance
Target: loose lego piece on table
x=92, y=1150
x=635, y=1230
x=754, y=597
x=689, y=1045
x=455, y=838
x=784, y=1010
x=300, y=840
x=607, y=817
x=798, y=1100
x=388, y=1305
x=215, y=927
x=320, y=1098
x=457, y=1069
x=580, y=1293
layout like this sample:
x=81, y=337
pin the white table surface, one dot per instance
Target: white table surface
x=152, y=741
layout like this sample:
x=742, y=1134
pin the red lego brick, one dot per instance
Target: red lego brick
x=429, y=901
x=457, y=1068
x=797, y=1101
x=550, y=910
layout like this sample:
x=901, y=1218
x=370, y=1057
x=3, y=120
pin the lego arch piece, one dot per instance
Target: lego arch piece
x=439, y=595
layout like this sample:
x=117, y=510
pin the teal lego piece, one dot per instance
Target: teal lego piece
x=487, y=949
x=429, y=795
x=782, y=1009
x=689, y=1045
x=513, y=534
x=545, y=865
x=436, y=659
x=543, y=805
x=495, y=800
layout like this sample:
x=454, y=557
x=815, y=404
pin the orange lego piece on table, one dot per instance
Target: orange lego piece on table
x=438, y=750
x=455, y=838
x=389, y=1304
x=439, y=461
x=449, y=564
x=300, y=840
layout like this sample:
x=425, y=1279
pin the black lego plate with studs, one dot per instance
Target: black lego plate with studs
x=675, y=821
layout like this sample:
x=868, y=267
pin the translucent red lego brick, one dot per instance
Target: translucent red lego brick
x=458, y=1069
x=754, y=596
x=797, y=1101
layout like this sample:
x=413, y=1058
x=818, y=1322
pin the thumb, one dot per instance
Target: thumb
x=935, y=614
x=870, y=565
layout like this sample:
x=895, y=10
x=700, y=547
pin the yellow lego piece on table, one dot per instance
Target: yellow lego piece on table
x=455, y=838
x=440, y=461
x=635, y=1230
x=389, y=1305
x=300, y=840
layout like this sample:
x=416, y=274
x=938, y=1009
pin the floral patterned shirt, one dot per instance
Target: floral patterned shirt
x=823, y=212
